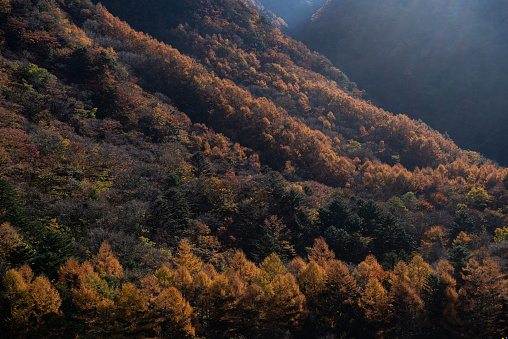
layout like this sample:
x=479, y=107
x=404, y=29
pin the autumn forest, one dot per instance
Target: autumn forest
x=183, y=169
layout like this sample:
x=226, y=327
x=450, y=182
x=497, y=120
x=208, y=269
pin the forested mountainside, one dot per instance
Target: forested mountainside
x=441, y=61
x=217, y=179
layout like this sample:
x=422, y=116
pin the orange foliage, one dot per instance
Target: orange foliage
x=106, y=263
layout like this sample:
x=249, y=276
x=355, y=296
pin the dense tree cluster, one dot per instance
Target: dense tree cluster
x=321, y=295
x=147, y=192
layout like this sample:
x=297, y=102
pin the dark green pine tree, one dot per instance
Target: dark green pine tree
x=22, y=254
x=339, y=241
x=44, y=250
x=370, y=214
x=458, y=256
x=172, y=180
x=388, y=236
x=288, y=206
x=176, y=207
x=169, y=216
x=434, y=296
x=464, y=222
x=201, y=165
x=338, y=214
x=53, y=250
x=11, y=207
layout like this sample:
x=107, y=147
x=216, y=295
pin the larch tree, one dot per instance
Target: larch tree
x=312, y=282
x=246, y=269
x=320, y=252
x=209, y=270
x=173, y=315
x=150, y=289
x=270, y=268
x=72, y=274
x=131, y=311
x=165, y=276
x=9, y=238
x=449, y=306
x=18, y=299
x=483, y=298
x=221, y=301
x=417, y=272
x=106, y=263
x=296, y=265
x=369, y=268
x=407, y=307
x=250, y=309
x=376, y=303
x=46, y=299
x=94, y=301
x=32, y=305
x=285, y=308
x=183, y=281
x=186, y=258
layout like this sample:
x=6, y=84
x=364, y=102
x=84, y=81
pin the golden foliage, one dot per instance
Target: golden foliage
x=186, y=258
x=173, y=315
x=321, y=254
x=106, y=263
x=9, y=238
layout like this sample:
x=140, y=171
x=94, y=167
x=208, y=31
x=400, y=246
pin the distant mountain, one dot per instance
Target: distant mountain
x=275, y=20
x=441, y=61
x=294, y=12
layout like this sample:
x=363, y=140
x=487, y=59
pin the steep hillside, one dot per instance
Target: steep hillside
x=443, y=62
x=295, y=80
x=224, y=181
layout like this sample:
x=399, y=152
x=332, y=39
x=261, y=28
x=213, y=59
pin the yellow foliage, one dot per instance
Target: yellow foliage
x=418, y=271
x=5, y=7
x=29, y=301
x=45, y=297
x=164, y=276
x=321, y=254
x=312, y=279
x=246, y=269
x=376, y=302
x=501, y=234
x=270, y=267
x=463, y=238
x=286, y=305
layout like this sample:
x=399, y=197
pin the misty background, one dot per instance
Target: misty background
x=444, y=62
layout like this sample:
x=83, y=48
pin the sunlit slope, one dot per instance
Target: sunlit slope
x=237, y=44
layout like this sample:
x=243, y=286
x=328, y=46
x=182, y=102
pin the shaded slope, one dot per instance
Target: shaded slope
x=443, y=62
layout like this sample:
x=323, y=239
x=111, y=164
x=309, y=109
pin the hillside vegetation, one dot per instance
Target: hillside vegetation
x=216, y=179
